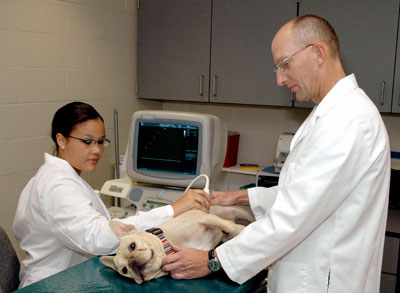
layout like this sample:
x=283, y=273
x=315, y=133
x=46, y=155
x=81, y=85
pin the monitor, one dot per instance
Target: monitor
x=171, y=148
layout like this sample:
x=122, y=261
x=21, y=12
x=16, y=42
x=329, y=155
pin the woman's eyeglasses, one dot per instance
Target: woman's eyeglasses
x=91, y=142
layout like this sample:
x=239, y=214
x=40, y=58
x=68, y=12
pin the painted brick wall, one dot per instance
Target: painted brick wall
x=53, y=52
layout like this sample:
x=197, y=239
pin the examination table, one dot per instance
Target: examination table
x=92, y=276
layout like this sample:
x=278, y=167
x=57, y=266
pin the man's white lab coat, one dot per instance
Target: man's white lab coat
x=61, y=221
x=323, y=226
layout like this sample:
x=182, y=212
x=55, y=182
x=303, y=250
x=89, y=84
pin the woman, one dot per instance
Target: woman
x=60, y=220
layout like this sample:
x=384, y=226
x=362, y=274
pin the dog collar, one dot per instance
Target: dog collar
x=159, y=233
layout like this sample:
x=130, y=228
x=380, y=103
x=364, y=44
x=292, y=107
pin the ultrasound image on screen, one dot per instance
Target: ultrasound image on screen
x=168, y=147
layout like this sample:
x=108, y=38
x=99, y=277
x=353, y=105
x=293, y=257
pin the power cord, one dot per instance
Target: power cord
x=206, y=187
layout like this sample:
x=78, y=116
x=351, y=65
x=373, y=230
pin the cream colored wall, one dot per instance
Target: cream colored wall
x=53, y=52
x=259, y=127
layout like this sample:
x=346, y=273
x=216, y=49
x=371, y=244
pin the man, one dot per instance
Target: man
x=322, y=228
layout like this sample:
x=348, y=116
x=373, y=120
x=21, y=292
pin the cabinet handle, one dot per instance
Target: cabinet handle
x=293, y=97
x=215, y=86
x=201, y=84
x=399, y=101
x=383, y=93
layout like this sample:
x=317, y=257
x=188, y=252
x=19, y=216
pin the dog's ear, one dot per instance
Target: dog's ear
x=121, y=229
x=108, y=261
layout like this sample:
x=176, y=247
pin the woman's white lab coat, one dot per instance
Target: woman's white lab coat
x=322, y=228
x=61, y=221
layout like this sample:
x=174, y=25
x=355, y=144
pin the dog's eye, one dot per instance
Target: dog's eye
x=132, y=247
x=124, y=270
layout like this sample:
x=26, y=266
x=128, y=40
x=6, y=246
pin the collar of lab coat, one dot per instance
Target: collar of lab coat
x=334, y=96
x=49, y=159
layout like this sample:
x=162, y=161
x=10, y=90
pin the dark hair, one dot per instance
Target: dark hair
x=312, y=27
x=68, y=116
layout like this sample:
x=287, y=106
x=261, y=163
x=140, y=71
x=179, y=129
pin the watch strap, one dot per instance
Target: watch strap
x=211, y=254
x=213, y=262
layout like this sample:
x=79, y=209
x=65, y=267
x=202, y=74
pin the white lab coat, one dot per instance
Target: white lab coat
x=61, y=221
x=322, y=228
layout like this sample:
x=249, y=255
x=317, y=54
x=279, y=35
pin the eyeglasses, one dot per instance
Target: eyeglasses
x=283, y=65
x=91, y=142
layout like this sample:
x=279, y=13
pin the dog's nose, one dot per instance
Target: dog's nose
x=132, y=263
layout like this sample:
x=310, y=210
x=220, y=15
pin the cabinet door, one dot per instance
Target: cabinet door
x=367, y=33
x=396, y=90
x=174, y=49
x=241, y=59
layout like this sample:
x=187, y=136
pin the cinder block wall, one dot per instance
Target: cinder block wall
x=53, y=52
x=56, y=51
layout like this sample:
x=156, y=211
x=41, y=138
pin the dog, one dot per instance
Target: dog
x=140, y=254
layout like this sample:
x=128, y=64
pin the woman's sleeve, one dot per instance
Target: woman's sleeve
x=80, y=227
x=150, y=219
x=74, y=221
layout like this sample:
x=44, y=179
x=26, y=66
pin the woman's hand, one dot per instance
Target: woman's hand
x=192, y=199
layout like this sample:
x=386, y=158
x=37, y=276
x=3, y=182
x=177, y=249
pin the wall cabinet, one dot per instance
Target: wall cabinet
x=210, y=51
x=174, y=49
x=396, y=90
x=241, y=61
x=367, y=33
x=219, y=50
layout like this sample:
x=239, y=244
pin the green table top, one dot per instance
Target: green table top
x=92, y=276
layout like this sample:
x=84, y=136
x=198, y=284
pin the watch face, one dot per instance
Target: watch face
x=213, y=265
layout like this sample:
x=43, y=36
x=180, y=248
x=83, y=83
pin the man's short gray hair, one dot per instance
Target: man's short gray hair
x=310, y=28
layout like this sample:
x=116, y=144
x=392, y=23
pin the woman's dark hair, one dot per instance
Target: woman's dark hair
x=68, y=116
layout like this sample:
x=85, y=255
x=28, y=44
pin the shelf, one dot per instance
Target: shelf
x=236, y=169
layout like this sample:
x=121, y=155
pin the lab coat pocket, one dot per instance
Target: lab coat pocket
x=287, y=172
x=288, y=277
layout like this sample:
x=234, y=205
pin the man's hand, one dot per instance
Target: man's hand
x=229, y=198
x=186, y=263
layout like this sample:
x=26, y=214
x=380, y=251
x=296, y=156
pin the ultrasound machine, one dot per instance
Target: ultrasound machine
x=167, y=151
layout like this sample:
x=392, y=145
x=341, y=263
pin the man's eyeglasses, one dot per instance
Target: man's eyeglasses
x=283, y=65
x=91, y=142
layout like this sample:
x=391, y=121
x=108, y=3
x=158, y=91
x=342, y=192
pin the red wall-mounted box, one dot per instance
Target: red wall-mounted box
x=232, y=149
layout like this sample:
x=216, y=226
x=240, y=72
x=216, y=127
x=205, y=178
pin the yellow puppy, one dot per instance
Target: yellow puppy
x=140, y=254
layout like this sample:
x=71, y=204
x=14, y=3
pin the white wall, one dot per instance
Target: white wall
x=259, y=127
x=53, y=52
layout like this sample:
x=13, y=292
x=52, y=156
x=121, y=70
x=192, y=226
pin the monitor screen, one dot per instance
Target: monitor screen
x=157, y=153
x=172, y=148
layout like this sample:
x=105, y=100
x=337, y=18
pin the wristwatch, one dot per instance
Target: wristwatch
x=213, y=262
